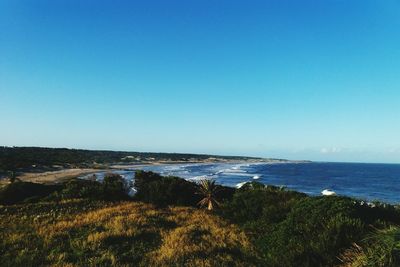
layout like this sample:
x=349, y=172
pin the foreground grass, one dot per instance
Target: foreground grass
x=379, y=249
x=83, y=232
x=89, y=223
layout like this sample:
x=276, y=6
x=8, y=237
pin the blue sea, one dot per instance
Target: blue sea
x=365, y=181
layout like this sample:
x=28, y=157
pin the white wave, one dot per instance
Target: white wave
x=132, y=191
x=239, y=185
x=256, y=177
x=238, y=174
x=172, y=168
x=234, y=171
x=328, y=192
x=200, y=177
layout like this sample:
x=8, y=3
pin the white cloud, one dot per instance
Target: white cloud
x=394, y=150
x=330, y=150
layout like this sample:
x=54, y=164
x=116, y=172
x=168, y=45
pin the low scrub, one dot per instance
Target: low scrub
x=257, y=205
x=25, y=192
x=292, y=229
x=113, y=187
x=162, y=191
x=314, y=233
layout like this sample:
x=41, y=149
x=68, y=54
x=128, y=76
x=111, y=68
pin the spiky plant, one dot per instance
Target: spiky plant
x=208, y=190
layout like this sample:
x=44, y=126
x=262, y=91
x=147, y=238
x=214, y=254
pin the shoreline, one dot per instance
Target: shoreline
x=57, y=176
x=62, y=175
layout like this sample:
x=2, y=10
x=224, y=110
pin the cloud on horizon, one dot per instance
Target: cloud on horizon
x=330, y=150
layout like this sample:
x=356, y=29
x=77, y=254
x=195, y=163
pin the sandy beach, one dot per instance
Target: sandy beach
x=55, y=176
x=65, y=174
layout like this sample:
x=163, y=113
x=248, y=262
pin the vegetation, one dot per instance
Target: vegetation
x=256, y=206
x=113, y=187
x=312, y=231
x=208, y=190
x=19, y=192
x=86, y=222
x=161, y=191
x=97, y=233
x=20, y=158
x=381, y=249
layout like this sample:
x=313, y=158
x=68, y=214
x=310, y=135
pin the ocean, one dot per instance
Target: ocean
x=369, y=182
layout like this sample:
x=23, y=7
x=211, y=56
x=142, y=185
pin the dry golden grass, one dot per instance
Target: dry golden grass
x=201, y=239
x=123, y=234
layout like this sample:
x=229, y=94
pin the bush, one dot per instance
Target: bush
x=142, y=178
x=258, y=205
x=252, y=185
x=168, y=191
x=162, y=191
x=25, y=192
x=114, y=187
x=314, y=233
x=79, y=188
x=292, y=229
x=378, y=214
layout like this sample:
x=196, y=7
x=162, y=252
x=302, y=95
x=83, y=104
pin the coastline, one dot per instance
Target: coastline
x=62, y=175
x=58, y=176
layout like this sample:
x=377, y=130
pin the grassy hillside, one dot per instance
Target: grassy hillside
x=91, y=223
x=78, y=232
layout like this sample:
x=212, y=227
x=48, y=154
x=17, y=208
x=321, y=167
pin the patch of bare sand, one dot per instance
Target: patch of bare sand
x=55, y=176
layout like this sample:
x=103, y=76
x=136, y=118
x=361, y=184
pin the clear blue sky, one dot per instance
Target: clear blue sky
x=313, y=80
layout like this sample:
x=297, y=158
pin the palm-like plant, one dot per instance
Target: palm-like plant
x=208, y=190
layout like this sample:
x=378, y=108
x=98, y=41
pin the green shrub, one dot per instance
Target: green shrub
x=291, y=229
x=314, y=233
x=260, y=206
x=143, y=178
x=168, y=191
x=378, y=213
x=114, y=187
x=79, y=188
x=161, y=191
x=252, y=185
x=25, y=192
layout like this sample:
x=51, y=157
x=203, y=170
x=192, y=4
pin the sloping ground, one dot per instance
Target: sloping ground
x=82, y=233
